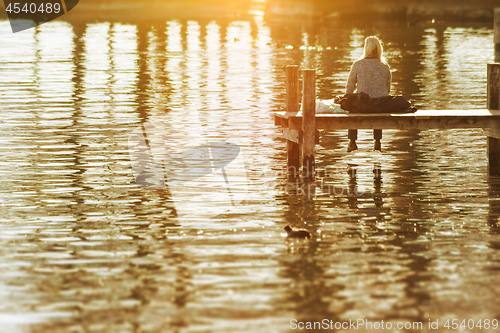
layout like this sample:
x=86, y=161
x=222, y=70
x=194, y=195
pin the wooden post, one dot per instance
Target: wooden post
x=493, y=94
x=293, y=158
x=493, y=103
x=292, y=105
x=496, y=28
x=292, y=88
x=309, y=123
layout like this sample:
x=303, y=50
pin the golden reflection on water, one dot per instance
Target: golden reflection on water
x=407, y=234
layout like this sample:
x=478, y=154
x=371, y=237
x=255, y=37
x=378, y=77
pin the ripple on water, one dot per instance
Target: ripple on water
x=406, y=234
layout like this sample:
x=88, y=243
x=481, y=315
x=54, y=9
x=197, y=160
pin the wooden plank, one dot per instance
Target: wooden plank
x=424, y=119
x=277, y=121
x=295, y=123
x=296, y=135
x=420, y=113
x=292, y=135
x=397, y=122
x=284, y=123
x=286, y=117
x=494, y=133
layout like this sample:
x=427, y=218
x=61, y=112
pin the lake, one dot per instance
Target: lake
x=404, y=240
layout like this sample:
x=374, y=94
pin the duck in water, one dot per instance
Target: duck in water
x=300, y=233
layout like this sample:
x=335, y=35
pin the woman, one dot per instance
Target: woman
x=370, y=75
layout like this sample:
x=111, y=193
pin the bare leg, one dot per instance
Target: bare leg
x=377, y=135
x=353, y=136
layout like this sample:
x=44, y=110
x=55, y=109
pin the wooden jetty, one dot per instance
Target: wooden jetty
x=300, y=127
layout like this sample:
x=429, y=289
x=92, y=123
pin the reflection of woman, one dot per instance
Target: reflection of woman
x=370, y=75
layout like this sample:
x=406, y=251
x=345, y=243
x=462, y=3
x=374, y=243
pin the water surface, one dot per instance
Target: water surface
x=406, y=235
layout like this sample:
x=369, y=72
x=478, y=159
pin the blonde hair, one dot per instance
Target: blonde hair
x=373, y=48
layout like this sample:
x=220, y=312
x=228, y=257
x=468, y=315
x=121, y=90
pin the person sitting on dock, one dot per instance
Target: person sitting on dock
x=370, y=75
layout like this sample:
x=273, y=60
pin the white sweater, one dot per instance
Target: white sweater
x=371, y=76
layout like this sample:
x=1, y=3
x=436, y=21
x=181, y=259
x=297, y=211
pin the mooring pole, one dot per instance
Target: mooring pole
x=496, y=29
x=292, y=106
x=292, y=88
x=309, y=123
x=493, y=103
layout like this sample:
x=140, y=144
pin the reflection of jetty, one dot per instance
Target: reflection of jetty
x=299, y=128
